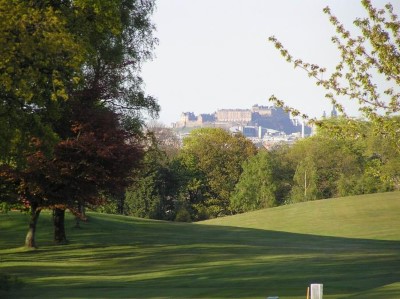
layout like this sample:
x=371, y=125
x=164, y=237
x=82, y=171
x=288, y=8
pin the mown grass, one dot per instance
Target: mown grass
x=372, y=216
x=351, y=245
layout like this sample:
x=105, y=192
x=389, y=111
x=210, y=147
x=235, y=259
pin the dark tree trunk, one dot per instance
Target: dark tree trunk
x=120, y=197
x=30, y=236
x=59, y=229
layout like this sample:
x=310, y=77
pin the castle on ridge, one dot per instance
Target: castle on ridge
x=255, y=119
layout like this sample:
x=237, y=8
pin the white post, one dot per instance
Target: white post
x=316, y=291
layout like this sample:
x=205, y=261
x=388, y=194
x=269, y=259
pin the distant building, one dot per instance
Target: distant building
x=234, y=115
x=252, y=121
x=334, y=112
x=204, y=118
x=189, y=119
x=262, y=110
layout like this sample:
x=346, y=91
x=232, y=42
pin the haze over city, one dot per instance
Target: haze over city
x=215, y=54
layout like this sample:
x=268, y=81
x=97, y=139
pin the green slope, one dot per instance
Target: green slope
x=351, y=245
x=373, y=216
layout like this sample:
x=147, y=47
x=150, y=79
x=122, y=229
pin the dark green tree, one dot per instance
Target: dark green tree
x=283, y=169
x=147, y=195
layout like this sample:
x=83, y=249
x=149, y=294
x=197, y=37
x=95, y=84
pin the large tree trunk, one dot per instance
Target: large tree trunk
x=30, y=236
x=59, y=229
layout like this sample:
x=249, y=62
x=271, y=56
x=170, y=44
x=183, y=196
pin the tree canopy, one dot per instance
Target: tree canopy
x=215, y=157
x=71, y=97
x=40, y=64
x=256, y=186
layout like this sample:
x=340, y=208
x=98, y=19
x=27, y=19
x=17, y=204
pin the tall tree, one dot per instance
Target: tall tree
x=147, y=195
x=117, y=38
x=97, y=161
x=283, y=169
x=94, y=143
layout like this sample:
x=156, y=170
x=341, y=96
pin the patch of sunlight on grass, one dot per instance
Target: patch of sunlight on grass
x=353, y=217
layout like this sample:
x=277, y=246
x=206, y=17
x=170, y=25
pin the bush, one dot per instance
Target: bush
x=183, y=215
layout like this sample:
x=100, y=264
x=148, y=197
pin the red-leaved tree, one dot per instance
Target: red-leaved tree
x=95, y=161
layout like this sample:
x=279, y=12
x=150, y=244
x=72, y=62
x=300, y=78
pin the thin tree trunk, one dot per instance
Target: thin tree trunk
x=120, y=202
x=81, y=216
x=30, y=241
x=83, y=212
x=59, y=228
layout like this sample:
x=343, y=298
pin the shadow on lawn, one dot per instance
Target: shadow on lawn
x=131, y=258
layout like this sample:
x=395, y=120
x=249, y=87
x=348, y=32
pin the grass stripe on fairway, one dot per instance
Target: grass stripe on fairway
x=351, y=245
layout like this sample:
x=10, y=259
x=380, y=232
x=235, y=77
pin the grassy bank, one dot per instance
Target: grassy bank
x=351, y=245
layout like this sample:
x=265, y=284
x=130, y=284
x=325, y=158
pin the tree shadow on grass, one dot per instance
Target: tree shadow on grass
x=132, y=258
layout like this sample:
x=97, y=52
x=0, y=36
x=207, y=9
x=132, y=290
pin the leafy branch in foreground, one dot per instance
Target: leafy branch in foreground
x=375, y=53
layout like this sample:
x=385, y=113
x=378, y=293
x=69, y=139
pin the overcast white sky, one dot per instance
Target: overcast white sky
x=215, y=54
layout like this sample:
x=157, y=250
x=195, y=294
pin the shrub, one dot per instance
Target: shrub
x=183, y=215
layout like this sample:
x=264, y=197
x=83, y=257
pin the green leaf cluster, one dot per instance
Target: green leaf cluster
x=256, y=186
x=215, y=158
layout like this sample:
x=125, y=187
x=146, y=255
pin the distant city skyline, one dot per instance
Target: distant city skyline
x=258, y=120
x=214, y=54
x=325, y=113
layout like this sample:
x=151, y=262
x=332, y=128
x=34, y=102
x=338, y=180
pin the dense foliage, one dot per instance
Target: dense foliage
x=216, y=174
x=214, y=159
x=71, y=102
x=256, y=186
x=194, y=184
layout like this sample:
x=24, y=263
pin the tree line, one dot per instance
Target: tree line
x=216, y=173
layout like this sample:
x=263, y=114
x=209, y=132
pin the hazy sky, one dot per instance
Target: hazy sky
x=215, y=54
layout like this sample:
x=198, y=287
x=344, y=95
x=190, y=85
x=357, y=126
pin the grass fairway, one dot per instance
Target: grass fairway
x=351, y=245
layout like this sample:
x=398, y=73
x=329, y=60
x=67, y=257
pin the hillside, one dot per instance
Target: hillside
x=372, y=216
x=351, y=245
